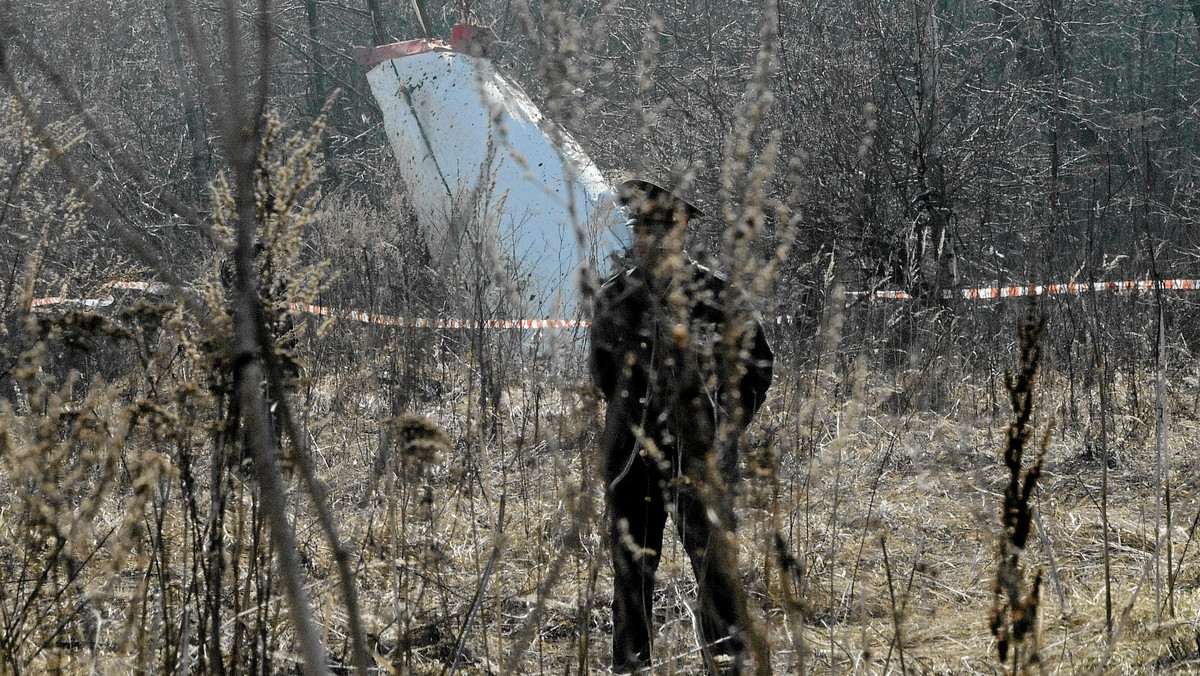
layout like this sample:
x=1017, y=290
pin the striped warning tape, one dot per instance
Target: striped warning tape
x=48, y=304
x=981, y=293
x=991, y=292
x=424, y=323
x=892, y=295
x=45, y=304
x=1072, y=288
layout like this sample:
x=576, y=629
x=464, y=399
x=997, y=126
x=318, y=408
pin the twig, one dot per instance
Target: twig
x=479, y=591
x=1049, y=549
x=897, y=641
x=249, y=346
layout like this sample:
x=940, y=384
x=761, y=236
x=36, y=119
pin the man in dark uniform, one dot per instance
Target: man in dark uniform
x=684, y=366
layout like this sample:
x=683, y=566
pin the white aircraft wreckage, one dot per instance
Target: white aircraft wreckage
x=488, y=173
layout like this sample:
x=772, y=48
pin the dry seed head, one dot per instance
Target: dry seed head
x=679, y=336
x=419, y=440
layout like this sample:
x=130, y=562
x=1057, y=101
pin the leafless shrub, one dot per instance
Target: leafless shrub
x=886, y=146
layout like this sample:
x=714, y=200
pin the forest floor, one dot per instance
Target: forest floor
x=894, y=519
x=484, y=553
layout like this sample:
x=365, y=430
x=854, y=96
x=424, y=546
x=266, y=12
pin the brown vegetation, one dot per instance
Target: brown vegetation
x=201, y=481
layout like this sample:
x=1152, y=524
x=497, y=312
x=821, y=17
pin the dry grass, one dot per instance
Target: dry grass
x=134, y=535
x=491, y=547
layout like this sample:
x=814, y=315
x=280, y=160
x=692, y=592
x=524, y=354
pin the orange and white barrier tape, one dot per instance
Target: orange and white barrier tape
x=44, y=304
x=48, y=303
x=1072, y=288
x=423, y=323
x=980, y=293
x=991, y=292
x=891, y=295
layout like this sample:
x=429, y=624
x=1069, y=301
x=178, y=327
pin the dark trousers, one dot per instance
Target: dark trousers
x=645, y=482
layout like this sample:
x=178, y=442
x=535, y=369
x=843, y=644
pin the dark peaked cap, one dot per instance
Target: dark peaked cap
x=645, y=198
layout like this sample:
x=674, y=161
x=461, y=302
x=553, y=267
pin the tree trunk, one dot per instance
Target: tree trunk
x=317, y=90
x=193, y=116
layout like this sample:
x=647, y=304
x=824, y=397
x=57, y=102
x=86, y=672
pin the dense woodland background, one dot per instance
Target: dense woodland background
x=935, y=143
x=921, y=145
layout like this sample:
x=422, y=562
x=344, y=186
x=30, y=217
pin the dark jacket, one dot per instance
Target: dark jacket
x=639, y=343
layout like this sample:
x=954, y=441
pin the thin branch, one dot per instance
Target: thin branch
x=241, y=138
